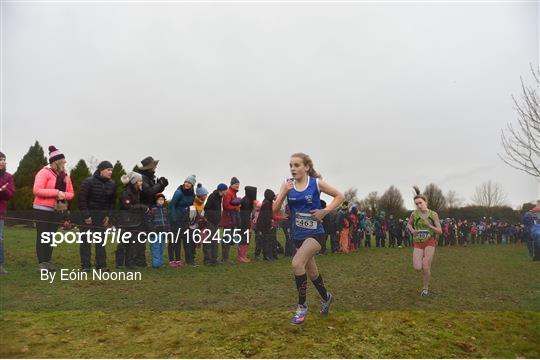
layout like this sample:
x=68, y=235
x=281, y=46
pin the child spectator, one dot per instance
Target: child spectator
x=160, y=223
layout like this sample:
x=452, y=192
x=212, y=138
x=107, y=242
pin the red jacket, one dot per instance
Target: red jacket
x=231, y=209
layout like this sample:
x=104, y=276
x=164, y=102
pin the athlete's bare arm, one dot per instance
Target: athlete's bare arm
x=280, y=198
x=409, y=224
x=336, y=202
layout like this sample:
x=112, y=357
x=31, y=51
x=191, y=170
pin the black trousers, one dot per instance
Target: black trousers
x=380, y=241
x=265, y=242
x=323, y=244
x=355, y=238
x=407, y=239
x=276, y=246
x=392, y=240
x=226, y=247
x=189, y=248
x=290, y=249
x=126, y=253
x=210, y=248
x=367, y=240
x=399, y=240
x=259, y=243
x=46, y=221
x=140, y=253
x=174, y=247
x=85, y=249
x=334, y=242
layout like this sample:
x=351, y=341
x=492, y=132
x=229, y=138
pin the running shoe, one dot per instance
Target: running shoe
x=325, y=305
x=300, y=315
x=424, y=292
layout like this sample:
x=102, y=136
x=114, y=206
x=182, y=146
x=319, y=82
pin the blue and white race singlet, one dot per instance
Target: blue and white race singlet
x=301, y=203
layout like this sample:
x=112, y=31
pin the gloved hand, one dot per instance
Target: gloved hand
x=163, y=181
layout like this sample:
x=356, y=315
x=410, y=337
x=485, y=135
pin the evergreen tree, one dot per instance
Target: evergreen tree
x=30, y=164
x=118, y=171
x=28, y=167
x=77, y=175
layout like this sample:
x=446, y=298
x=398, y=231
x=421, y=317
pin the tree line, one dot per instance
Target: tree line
x=489, y=198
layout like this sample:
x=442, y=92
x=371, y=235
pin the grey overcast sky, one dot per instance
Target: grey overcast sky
x=377, y=93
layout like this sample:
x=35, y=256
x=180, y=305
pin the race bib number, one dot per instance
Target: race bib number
x=423, y=234
x=305, y=221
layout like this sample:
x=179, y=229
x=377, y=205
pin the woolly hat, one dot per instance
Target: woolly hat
x=235, y=180
x=104, y=165
x=131, y=177
x=192, y=179
x=55, y=154
x=160, y=195
x=222, y=187
x=2, y=155
x=201, y=191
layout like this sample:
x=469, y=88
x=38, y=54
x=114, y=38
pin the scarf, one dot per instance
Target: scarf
x=61, y=181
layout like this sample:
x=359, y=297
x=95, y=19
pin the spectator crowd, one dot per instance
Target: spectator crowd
x=143, y=207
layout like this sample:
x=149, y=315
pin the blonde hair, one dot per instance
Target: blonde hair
x=306, y=159
x=419, y=195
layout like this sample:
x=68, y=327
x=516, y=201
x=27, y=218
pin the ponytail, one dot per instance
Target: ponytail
x=418, y=194
x=306, y=159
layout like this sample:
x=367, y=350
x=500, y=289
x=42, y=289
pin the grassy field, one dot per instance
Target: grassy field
x=486, y=303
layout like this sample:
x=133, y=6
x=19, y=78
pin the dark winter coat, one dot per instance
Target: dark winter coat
x=264, y=220
x=246, y=207
x=96, y=196
x=151, y=187
x=212, y=208
x=133, y=212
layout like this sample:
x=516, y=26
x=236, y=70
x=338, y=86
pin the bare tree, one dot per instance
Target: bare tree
x=93, y=163
x=489, y=194
x=363, y=204
x=392, y=202
x=351, y=195
x=370, y=202
x=453, y=200
x=521, y=143
x=436, y=199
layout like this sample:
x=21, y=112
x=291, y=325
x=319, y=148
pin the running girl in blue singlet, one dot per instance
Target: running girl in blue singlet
x=302, y=193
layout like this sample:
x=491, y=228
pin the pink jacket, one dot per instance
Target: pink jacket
x=45, y=188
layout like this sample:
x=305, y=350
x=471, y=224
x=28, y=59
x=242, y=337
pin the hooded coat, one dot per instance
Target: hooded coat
x=264, y=220
x=246, y=207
